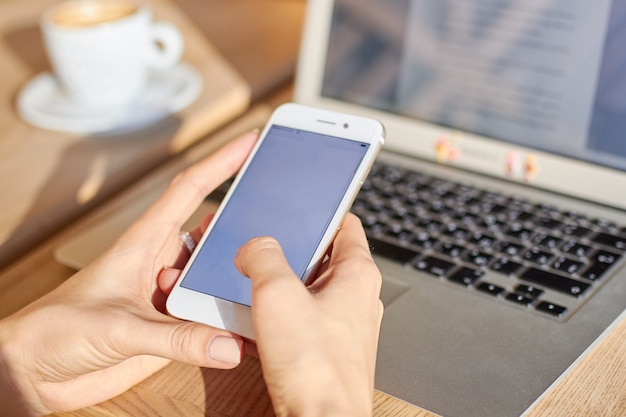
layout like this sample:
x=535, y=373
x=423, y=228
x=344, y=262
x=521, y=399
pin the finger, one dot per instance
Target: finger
x=167, y=279
x=262, y=259
x=205, y=222
x=186, y=246
x=111, y=382
x=351, y=269
x=252, y=350
x=191, y=186
x=183, y=341
x=351, y=240
x=196, y=234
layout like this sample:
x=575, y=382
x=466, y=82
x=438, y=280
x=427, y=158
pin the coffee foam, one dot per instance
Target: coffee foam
x=92, y=13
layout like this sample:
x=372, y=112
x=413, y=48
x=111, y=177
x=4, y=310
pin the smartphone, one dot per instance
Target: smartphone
x=296, y=185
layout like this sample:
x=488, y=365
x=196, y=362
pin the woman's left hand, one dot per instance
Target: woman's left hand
x=105, y=328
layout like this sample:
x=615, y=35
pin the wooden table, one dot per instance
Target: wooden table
x=595, y=387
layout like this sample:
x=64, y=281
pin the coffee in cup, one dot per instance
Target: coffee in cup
x=102, y=51
x=70, y=16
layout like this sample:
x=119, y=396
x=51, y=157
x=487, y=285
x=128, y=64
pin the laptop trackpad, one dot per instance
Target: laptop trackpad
x=391, y=290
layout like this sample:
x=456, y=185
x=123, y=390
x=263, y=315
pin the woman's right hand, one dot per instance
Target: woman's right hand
x=317, y=344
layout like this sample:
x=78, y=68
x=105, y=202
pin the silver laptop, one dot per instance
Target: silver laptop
x=496, y=212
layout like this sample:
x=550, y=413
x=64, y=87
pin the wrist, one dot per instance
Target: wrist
x=325, y=408
x=323, y=393
x=16, y=391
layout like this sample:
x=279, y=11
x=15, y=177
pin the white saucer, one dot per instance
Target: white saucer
x=43, y=104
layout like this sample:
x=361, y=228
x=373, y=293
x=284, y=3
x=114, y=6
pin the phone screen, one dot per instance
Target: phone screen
x=290, y=191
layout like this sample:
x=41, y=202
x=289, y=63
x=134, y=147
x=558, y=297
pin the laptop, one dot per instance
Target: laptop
x=497, y=210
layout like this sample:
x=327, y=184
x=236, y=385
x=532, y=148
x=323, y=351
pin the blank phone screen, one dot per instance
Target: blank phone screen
x=290, y=191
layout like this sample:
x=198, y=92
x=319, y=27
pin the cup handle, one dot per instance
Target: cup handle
x=166, y=47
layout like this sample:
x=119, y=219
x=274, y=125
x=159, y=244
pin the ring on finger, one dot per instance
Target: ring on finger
x=188, y=241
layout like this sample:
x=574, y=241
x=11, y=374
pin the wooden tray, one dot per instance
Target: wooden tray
x=49, y=178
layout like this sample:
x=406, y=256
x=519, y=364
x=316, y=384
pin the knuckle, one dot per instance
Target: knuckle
x=183, y=339
x=268, y=289
x=186, y=178
x=262, y=244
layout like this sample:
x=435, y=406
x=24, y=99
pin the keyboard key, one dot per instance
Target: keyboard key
x=454, y=231
x=395, y=228
x=548, y=223
x=575, y=230
x=567, y=265
x=612, y=241
x=604, y=224
x=595, y=271
x=490, y=289
x=450, y=249
x=554, y=281
x=466, y=276
x=551, y=308
x=519, y=299
x=401, y=213
x=483, y=240
x=529, y=291
x=498, y=208
x=411, y=198
x=521, y=204
x=600, y=263
x=490, y=223
x=547, y=209
x=467, y=190
x=605, y=257
x=519, y=232
x=510, y=248
x=388, y=250
x=576, y=217
x=505, y=266
x=376, y=228
x=537, y=256
x=424, y=239
x=578, y=249
x=434, y=266
x=493, y=196
x=477, y=257
x=467, y=218
x=524, y=216
x=437, y=207
x=429, y=224
x=546, y=240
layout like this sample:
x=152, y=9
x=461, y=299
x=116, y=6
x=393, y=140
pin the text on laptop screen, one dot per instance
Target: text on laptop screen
x=546, y=74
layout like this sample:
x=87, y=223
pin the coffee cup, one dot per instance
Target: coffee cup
x=103, y=51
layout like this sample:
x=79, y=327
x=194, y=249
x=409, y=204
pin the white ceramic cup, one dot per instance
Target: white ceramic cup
x=102, y=51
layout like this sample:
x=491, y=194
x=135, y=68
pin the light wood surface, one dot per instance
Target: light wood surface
x=595, y=387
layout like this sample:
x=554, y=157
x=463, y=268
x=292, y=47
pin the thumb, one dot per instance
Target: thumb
x=262, y=260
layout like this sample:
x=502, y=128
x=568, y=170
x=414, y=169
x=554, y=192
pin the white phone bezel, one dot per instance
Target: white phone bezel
x=204, y=308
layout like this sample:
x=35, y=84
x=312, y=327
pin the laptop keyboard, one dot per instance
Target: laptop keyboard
x=525, y=253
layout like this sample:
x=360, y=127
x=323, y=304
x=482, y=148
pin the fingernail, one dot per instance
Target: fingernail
x=226, y=349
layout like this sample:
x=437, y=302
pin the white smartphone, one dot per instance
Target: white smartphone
x=297, y=185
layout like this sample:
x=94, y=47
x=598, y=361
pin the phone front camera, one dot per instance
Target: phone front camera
x=345, y=125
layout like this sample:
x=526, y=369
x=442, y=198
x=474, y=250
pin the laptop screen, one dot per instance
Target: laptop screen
x=545, y=74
